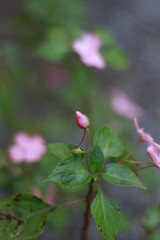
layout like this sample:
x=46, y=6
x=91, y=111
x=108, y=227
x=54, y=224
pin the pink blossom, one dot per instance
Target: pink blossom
x=153, y=149
x=144, y=137
x=26, y=148
x=154, y=152
x=82, y=120
x=124, y=106
x=88, y=49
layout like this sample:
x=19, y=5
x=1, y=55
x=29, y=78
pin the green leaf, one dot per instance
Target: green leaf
x=57, y=46
x=125, y=224
x=59, y=150
x=60, y=220
x=152, y=219
x=71, y=172
x=96, y=158
x=108, y=142
x=106, y=215
x=95, y=176
x=120, y=175
x=116, y=58
x=105, y=36
x=22, y=216
x=154, y=236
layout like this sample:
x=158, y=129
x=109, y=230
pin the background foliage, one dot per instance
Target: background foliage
x=42, y=83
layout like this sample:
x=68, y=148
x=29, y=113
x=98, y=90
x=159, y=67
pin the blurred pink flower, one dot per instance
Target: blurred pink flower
x=88, y=49
x=26, y=148
x=82, y=120
x=123, y=106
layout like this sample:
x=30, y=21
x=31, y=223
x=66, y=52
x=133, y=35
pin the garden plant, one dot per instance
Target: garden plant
x=23, y=216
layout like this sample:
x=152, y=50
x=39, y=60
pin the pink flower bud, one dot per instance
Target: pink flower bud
x=154, y=153
x=82, y=120
x=144, y=137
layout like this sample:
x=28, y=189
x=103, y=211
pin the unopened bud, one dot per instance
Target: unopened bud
x=82, y=120
x=77, y=151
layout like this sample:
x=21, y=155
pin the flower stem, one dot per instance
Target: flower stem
x=138, y=162
x=72, y=202
x=80, y=141
x=87, y=211
x=141, y=168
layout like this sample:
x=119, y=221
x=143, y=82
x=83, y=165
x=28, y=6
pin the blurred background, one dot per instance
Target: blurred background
x=43, y=82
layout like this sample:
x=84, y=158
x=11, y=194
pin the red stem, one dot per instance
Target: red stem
x=81, y=140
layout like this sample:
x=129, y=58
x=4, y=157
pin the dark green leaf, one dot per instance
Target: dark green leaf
x=96, y=158
x=22, y=216
x=106, y=215
x=120, y=175
x=71, y=172
x=108, y=142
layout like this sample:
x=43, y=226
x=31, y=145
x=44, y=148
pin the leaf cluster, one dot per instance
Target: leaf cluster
x=23, y=216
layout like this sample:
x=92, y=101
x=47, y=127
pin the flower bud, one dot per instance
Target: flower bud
x=77, y=151
x=82, y=120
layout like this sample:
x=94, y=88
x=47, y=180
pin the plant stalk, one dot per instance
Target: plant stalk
x=80, y=141
x=87, y=211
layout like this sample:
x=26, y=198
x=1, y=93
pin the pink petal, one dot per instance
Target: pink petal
x=154, y=154
x=144, y=137
x=88, y=49
x=94, y=59
x=16, y=154
x=21, y=138
x=124, y=106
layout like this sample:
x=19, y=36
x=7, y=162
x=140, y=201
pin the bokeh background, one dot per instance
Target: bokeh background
x=43, y=82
